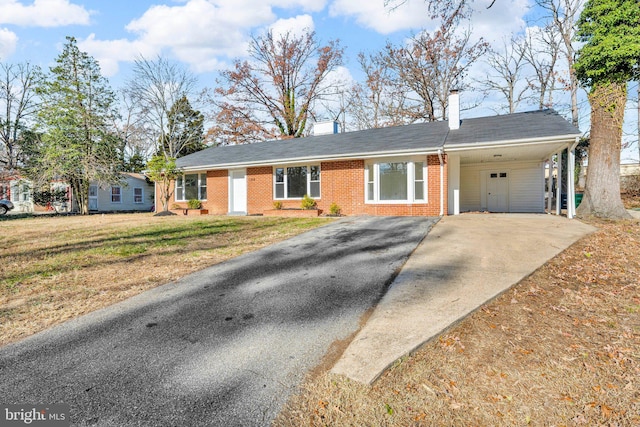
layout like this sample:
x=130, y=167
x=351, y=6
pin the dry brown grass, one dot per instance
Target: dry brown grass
x=56, y=268
x=562, y=348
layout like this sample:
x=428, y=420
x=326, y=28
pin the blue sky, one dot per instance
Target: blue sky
x=206, y=35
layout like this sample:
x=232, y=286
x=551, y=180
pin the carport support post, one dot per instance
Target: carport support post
x=571, y=181
x=550, y=183
x=559, y=183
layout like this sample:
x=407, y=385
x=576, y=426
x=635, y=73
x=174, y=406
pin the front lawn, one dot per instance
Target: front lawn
x=55, y=268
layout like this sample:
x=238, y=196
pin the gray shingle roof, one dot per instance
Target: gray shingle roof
x=420, y=137
x=509, y=127
x=415, y=138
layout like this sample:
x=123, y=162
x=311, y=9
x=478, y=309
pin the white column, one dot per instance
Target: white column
x=453, y=185
x=571, y=199
x=559, y=184
x=549, y=183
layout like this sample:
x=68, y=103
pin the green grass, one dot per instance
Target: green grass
x=58, y=267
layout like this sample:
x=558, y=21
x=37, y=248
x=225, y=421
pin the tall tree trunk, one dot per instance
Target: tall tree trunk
x=602, y=189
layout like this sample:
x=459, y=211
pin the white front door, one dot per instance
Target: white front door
x=498, y=191
x=93, y=197
x=238, y=192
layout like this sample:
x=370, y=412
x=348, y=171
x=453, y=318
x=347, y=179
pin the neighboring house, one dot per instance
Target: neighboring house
x=134, y=193
x=494, y=164
x=19, y=191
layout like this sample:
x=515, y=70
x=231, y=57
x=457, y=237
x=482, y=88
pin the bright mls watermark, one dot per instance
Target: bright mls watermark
x=35, y=415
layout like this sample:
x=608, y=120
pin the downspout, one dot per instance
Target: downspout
x=571, y=182
x=441, y=181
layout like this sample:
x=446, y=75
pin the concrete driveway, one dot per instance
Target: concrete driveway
x=464, y=262
x=223, y=347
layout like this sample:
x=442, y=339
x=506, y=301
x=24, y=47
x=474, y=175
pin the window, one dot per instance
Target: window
x=116, y=195
x=294, y=182
x=418, y=182
x=395, y=181
x=137, y=195
x=191, y=186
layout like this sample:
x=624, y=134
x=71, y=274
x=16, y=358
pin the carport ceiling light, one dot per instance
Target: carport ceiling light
x=497, y=155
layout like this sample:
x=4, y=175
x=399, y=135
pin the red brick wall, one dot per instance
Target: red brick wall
x=217, y=192
x=259, y=189
x=341, y=182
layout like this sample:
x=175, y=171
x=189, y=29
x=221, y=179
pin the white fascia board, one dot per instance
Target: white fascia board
x=512, y=143
x=302, y=160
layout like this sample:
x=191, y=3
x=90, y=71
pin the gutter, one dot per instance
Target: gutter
x=441, y=182
x=303, y=160
x=510, y=143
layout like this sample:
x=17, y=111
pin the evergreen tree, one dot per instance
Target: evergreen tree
x=185, y=133
x=77, y=144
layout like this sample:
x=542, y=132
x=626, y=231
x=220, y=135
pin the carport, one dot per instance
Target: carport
x=502, y=165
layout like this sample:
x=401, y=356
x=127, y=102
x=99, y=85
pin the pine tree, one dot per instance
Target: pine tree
x=77, y=144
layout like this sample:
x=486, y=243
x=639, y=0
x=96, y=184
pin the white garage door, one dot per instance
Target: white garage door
x=507, y=187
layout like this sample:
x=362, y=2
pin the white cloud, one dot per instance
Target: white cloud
x=374, y=15
x=110, y=52
x=296, y=26
x=43, y=13
x=306, y=5
x=501, y=20
x=202, y=33
x=8, y=42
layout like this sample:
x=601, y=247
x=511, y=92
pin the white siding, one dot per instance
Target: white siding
x=526, y=186
x=127, y=202
x=470, y=180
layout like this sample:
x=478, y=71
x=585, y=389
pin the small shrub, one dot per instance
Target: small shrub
x=277, y=205
x=176, y=206
x=308, y=202
x=194, y=204
x=334, y=209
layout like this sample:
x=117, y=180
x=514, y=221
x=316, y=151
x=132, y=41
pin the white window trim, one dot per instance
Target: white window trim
x=411, y=161
x=202, y=176
x=119, y=194
x=286, y=184
x=141, y=195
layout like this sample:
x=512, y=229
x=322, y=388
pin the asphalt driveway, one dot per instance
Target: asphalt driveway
x=222, y=347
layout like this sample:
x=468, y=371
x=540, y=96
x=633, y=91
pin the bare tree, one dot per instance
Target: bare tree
x=281, y=81
x=541, y=52
x=506, y=72
x=453, y=9
x=18, y=107
x=156, y=86
x=431, y=66
x=563, y=15
x=135, y=144
x=377, y=101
